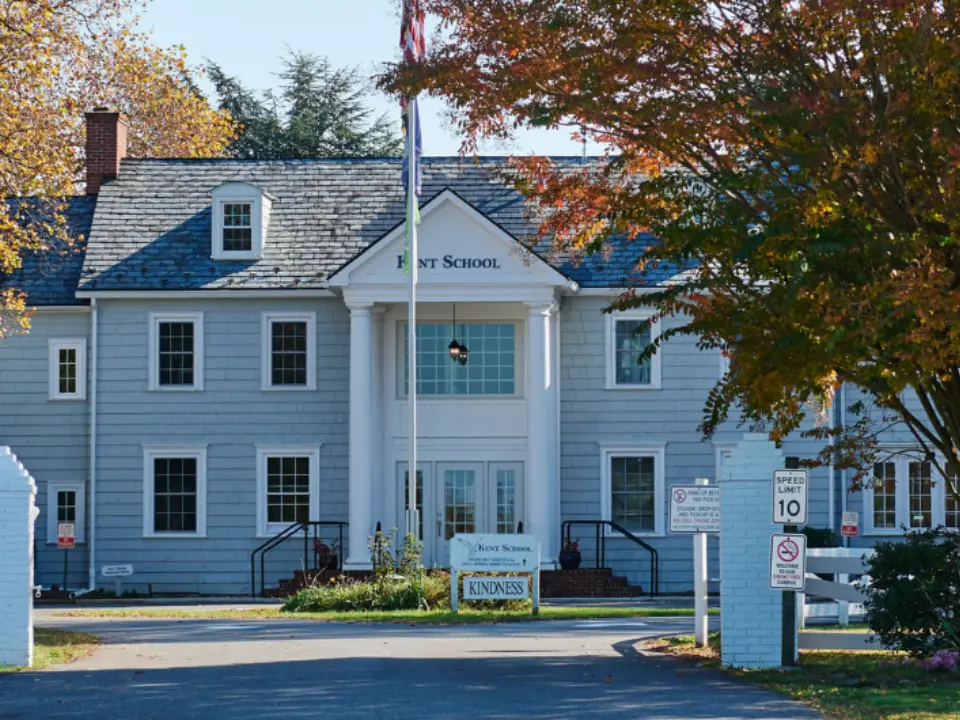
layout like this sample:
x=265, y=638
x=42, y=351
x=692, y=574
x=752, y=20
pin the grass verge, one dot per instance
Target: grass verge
x=411, y=617
x=56, y=647
x=844, y=685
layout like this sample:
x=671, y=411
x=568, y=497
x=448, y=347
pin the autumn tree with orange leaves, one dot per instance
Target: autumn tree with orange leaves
x=59, y=58
x=801, y=158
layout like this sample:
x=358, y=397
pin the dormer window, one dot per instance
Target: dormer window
x=237, y=230
x=241, y=213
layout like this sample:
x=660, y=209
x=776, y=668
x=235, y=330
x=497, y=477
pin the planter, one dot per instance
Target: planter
x=569, y=559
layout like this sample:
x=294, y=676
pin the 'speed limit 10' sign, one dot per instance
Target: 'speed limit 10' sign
x=790, y=497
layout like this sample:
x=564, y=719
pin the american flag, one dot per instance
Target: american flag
x=414, y=46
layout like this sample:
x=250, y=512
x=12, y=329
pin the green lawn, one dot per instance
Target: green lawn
x=55, y=647
x=847, y=685
x=412, y=617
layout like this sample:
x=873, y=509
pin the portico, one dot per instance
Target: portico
x=488, y=434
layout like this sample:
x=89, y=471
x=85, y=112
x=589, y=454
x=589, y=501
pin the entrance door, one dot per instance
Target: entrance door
x=425, y=506
x=461, y=497
x=460, y=503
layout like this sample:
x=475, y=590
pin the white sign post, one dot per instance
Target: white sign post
x=790, y=497
x=117, y=572
x=696, y=509
x=788, y=561
x=493, y=553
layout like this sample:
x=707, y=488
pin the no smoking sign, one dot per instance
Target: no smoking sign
x=788, y=562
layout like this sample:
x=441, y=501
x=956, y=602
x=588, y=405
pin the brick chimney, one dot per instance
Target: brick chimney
x=106, y=147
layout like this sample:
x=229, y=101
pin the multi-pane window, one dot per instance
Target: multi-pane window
x=491, y=367
x=627, y=336
x=406, y=498
x=288, y=353
x=952, y=510
x=633, y=492
x=921, y=496
x=630, y=339
x=506, y=500
x=459, y=502
x=66, y=506
x=287, y=486
x=907, y=493
x=237, y=227
x=288, y=490
x=885, y=495
x=68, y=369
x=176, y=352
x=175, y=495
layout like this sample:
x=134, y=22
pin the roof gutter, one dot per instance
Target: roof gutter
x=214, y=294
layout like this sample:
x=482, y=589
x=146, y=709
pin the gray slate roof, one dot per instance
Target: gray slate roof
x=50, y=277
x=152, y=228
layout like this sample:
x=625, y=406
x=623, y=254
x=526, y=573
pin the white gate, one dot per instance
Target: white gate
x=844, y=599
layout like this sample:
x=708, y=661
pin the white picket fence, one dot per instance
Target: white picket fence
x=845, y=598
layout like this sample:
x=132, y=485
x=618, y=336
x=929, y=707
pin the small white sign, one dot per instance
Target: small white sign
x=788, y=562
x=790, y=497
x=496, y=587
x=695, y=509
x=481, y=552
x=849, y=524
x=117, y=570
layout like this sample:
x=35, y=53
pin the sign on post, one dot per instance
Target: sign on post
x=790, y=497
x=788, y=561
x=694, y=509
x=849, y=523
x=496, y=587
x=493, y=553
x=117, y=570
x=66, y=536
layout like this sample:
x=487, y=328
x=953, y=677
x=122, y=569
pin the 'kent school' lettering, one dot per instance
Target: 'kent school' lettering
x=456, y=263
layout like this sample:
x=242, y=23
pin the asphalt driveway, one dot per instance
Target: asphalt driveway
x=235, y=670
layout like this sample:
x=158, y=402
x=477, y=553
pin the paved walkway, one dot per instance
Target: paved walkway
x=239, y=670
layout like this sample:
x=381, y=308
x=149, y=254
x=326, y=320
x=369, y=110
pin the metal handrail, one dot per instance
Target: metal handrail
x=601, y=546
x=286, y=534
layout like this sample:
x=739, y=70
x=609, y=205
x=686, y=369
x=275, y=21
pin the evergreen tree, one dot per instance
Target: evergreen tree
x=316, y=111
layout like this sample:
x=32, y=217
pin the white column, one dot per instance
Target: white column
x=540, y=473
x=361, y=436
x=18, y=511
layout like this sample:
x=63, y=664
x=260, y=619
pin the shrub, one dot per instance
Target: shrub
x=914, y=596
x=820, y=537
x=425, y=592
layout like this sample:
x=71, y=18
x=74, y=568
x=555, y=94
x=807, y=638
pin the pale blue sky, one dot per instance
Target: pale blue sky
x=246, y=38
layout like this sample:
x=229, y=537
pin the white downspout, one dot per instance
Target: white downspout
x=92, y=524
x=843, y=473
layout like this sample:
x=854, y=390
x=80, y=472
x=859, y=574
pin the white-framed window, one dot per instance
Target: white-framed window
x=174, y=491
x=240, y=213
x=289, y=359
x=66, y=503
x=288, y=486
x=68, y=369
x=493, y=359
x=907, y=492
x=627, y=334
x=632, y=487
x=176, y=351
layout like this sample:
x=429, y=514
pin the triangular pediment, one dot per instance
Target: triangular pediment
x=457, y=245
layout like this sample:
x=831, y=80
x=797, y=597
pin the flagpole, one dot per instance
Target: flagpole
x=413, y=262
